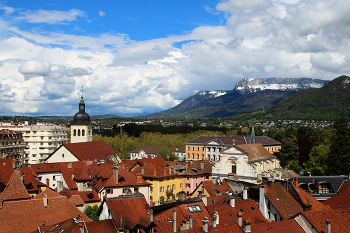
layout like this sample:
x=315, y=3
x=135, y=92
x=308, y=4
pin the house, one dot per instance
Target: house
x=83, y=151
x=77, y=225
x=166, y=182
x=209, y=147
x=20, y=213
x=152, y=151
x=246, y=162
x=276, y=203
x=82, y=198
x=109, y=181
x=321, y=187
x=211, y=188
x=130, y=213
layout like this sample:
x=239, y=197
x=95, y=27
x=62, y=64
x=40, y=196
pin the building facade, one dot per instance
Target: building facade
x=12, y=146
x=81, y=127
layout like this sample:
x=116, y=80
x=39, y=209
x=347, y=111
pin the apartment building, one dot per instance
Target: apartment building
x=40, y=140
x=12, y=146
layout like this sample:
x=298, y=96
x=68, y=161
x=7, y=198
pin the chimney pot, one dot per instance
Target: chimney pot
x=328, y=226
x=205, y=224
x=174, y=220
x=232, y=202
x=45, y=200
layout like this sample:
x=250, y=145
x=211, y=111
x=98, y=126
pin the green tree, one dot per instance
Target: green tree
x=289, y=152
x=91, y=212
x=317, y=164
x=339, y=154
x=167, y=155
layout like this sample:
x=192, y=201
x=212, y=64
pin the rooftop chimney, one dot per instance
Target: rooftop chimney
x=139, y=178
x=239, y=218
x=174, y=220
x=328, y=226
x=247, y=227
x=245, y=194
x=151, y=215
x=214, y=219
x=202, y=165
x=45, y=200
x=81, y=227
x=205, y=224
x=190, y=219
x=115, y=174
x=232, y=201
x=295, y=182
x=142, y=170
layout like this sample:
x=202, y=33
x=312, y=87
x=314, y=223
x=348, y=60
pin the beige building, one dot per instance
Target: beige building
x=81, y=127
x=40, y=139
x=12, y=146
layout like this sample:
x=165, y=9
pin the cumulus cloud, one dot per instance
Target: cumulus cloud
x=260, y=38
x=8, y=10
x=50, y=16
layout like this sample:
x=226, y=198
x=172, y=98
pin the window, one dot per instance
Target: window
x=75, y=132
x=62, y=155
x=33, y=155
x=78, y=132
x=173, y=186
x=151, y=188
x=234, y=169
x=54, y=177
x=83, y=132
x=162, y=189
x=109, y=191
x=181, y=186
x=188, y=186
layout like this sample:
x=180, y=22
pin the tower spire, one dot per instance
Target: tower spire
x=82, y=92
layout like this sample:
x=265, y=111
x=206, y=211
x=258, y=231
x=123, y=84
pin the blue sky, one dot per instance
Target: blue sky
x=138, y=57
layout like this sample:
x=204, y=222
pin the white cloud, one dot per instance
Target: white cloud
x=101, y=13
x=8, y=10
x=50, y=16
x=43, y=71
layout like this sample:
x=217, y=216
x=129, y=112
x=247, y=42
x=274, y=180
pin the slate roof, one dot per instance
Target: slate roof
x=339, y=201
x=339, y=219
x=283, y=202
x=256, y=152
x=239, y=140
x=133, y=210
x=15, y=189
x=27, y=215
x=277, y=227
x=335, y=181
x=89, y=151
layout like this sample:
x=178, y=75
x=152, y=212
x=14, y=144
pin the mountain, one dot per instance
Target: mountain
x=248, y=95
x=330, y=102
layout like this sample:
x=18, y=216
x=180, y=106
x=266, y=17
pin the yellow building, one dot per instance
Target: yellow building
x=166, y=182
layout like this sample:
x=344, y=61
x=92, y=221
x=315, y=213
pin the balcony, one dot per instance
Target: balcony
x=169, y=192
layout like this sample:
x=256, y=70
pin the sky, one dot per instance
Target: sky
x=137, y=57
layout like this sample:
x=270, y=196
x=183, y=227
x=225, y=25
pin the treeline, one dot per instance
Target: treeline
x=305, y=150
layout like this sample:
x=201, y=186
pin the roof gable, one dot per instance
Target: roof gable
x=15, y=189
x=256, y=152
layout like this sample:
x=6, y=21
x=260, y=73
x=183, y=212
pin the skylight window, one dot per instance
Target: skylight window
x=252, y=207
x=240, y=209
x=195, y=208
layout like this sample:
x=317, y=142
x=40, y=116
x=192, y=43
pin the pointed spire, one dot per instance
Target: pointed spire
x=252, y=136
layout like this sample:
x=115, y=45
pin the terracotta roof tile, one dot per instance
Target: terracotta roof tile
x=339, y=219
x=309, y=201
x=345, y=186
x=256, y=151
x=278, y=227
x=86, y=196
x=6, y=170
x=15, y=189
x=27, y=215
x=90, y=150
x=49, y=193
x=76, y=200
x=213, y=188
x=339, y=201
x=282, y=200
x=133, y=210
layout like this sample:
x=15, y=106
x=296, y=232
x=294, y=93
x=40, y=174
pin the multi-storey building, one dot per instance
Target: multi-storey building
x=40, y=139
x=210, y=147
x=12, y=146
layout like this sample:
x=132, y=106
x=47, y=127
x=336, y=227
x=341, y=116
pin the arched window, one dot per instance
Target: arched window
x=83, y=132
x=75, y=132
x=78, y=132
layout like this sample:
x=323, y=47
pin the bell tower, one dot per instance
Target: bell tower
x=81, y=127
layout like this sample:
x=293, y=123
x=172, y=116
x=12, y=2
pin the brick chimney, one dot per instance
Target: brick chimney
x=139, y=178
x=115, y=174
x=155, y=172
x=295, y=182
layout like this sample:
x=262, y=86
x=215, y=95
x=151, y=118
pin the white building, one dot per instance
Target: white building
x=81, y=127
x=40, y=139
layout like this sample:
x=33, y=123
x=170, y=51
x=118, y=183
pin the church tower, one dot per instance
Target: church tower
x=81, y=127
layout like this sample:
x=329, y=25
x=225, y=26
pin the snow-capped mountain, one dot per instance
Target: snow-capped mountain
x=212, y=94
x=252, y=85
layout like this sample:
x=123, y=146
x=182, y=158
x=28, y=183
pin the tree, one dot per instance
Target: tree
x=305, y=145
x=91, y=212
x=167, y=155
x=339, y=154
x=289, y=152
x=317, y=164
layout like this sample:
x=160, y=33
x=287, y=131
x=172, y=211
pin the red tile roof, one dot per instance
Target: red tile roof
x=277, y=227
x=339, y=219
x=339, y=201
x=27, y=215
x=345, y=185
x=86, y=196
x=309, y=201
x=85, y=151
x=15, y=189
x=6, y=170
x=256, y=152
x=212, y=188
x=283, y=202
x=49, y=193
x=133, y=210
x=76, y=200
x=154, y=149
x=154, y=171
